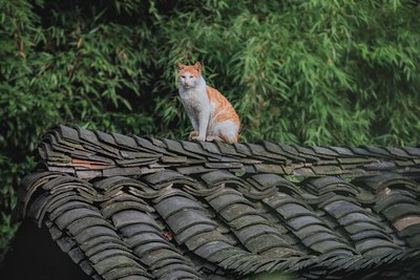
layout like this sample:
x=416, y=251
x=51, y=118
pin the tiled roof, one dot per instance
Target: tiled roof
x=129, y=207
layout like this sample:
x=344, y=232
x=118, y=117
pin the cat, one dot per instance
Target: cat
x=210, y=113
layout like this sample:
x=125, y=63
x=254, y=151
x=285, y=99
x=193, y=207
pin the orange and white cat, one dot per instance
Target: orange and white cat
x=210, y=113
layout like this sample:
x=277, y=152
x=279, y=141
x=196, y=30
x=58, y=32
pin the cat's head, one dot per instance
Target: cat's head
x=189, y=75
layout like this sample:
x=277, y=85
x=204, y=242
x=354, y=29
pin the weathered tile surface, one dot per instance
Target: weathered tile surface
x=127, y=207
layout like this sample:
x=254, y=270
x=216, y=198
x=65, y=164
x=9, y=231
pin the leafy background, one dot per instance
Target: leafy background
x=320, y=72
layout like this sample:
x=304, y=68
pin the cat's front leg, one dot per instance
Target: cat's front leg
x=203, y=122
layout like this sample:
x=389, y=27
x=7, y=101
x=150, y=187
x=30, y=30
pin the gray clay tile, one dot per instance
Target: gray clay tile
x=253, y=231
x=290, y=150
x=392, y=200
x=210, y=248
x=82, y=224
x=70, y=216
x=275, y=149
x=397, y=152
x=326, y=169
x=341, y=208
x=173, y=159
x=215, y=177
x=369, y=234
x=223, y=165
x=106, y=137
x=165, y=176
x=100, y=243
x=362, y=151
x=357, y=217
x=292, y=210
x=373, y=243
x=401, y=209
x=68, y=132
x=133, y=229
x=328, y=245
x=269, y=168
x=120, y=265
x=177, y=148
x=410, y=231
x=194, y=169
x=308, y=153
x=261, y=243
x=87, y=135
x=324, y=151
x=94, y=232
x=315, y=238
x=414, y=240
x=228, y=149
x=182, y=220
x=312, y=229
x=414, y=151
x=243, y=149
x=197, y=149
x=76, y=255
x=193, y=231
x=342, y=151
x=378, y=150
x=88, y=269
x=124, y=140
x=380, y=166
x=261, y=152
x=269, y=180
x=176, y=271
x=236, y=211
x=210, y=147
x=228, y=199
x=173, y=204
x=109, y=253
x=303, y=221
x=147, y=238
x=362, y=226
x=148, y=145
x=117, y=171
x=66, y=243
x=124, y=205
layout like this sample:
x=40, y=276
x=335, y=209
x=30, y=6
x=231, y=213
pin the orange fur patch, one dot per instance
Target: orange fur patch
x=223, y=109
x=194, y=70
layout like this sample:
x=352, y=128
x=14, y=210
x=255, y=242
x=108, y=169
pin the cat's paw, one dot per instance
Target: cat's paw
x=192, y=135
x=210, y=138
x=198, y=138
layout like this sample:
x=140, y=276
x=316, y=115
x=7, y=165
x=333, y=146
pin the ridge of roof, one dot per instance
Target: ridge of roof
x=89, y=154
x=130, y=207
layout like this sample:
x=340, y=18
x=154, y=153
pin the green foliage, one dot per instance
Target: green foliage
x=309, y=72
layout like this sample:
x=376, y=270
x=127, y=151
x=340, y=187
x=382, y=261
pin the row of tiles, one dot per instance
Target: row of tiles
x=226, y=227
x=90, y=154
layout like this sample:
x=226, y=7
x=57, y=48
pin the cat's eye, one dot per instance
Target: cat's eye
x=191, y=77
x=183, y=77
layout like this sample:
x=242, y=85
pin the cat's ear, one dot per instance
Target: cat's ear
x=180, y=66
x=197, y=66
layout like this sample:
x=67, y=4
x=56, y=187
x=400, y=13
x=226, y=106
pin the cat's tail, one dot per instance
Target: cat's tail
x=230, y=138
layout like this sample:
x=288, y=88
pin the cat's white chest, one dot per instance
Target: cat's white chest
x=194, y=98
